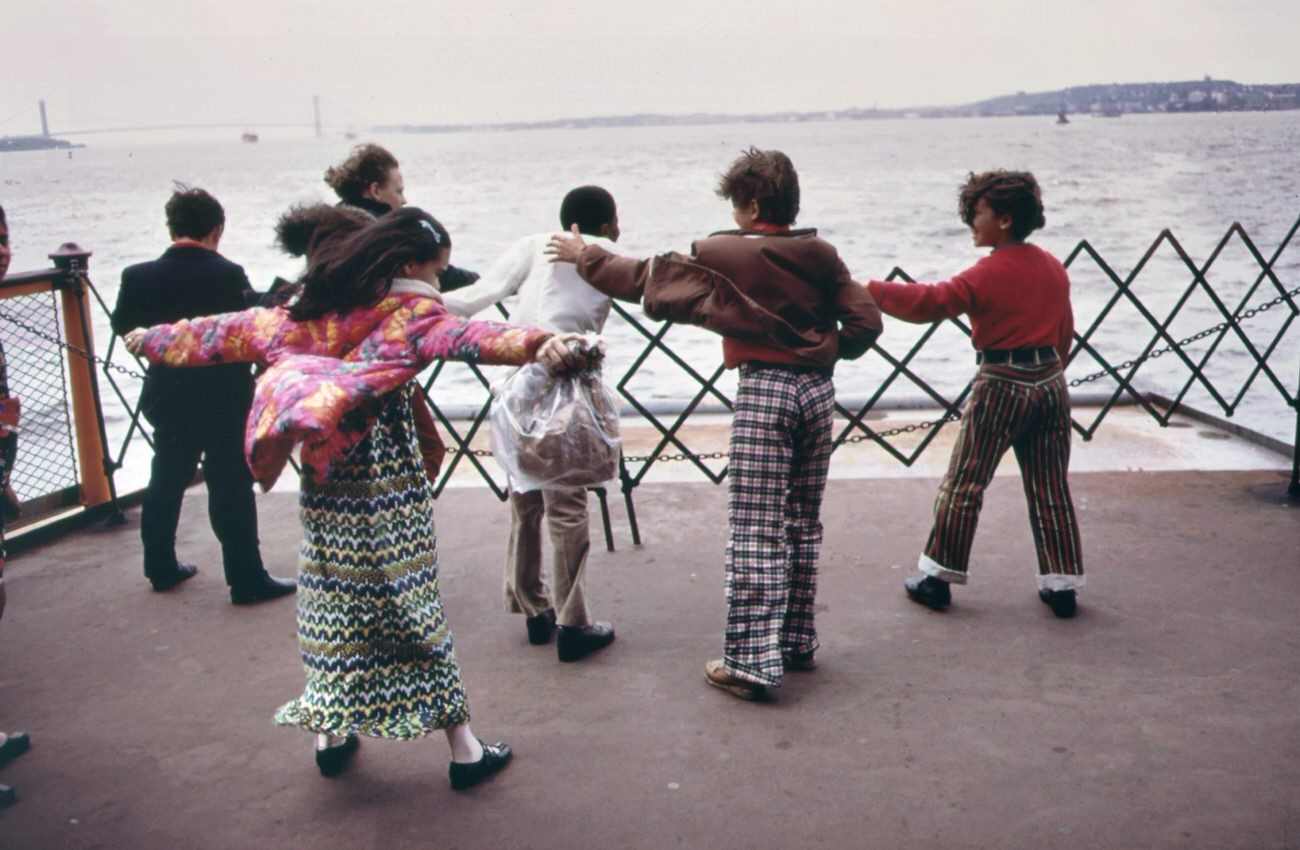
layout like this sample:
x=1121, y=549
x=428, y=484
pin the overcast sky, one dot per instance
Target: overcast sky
x=109, y=63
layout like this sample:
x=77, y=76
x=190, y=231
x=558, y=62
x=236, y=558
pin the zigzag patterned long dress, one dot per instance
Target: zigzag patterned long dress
x=371, y=632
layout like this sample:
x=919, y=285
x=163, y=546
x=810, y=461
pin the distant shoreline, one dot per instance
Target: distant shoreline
x=1106, y=100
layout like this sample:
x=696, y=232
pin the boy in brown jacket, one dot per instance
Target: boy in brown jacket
x=787, y=309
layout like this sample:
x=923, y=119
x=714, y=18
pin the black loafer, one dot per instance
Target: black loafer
x=184, y=572
x=929, y=591
x=15, y=745
x=541, y=627
x=267, y=587
x=574, y=642
x=332, y=759
x=495, y=757
x=1062, y=602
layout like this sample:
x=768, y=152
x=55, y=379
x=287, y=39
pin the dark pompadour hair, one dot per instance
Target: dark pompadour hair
x=767, y=177
x=588, y=207
x=1013, y=193
x=193, y=213
x=357, y=269
x=368, y=163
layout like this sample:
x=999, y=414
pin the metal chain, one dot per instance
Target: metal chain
x=77, y=350
x=1182, y=343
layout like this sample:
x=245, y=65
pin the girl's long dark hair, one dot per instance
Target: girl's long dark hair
x=357, y=270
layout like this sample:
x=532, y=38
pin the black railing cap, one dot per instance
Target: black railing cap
x=68, y=253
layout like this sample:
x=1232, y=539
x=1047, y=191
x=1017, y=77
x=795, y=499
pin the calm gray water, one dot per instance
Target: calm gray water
x=883, y=192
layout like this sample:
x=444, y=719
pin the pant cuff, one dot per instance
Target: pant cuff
x=748, y=674
x=1060, y=581
x=933, y=568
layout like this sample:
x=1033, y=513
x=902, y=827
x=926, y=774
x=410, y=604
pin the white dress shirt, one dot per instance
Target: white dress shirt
x=551, y=295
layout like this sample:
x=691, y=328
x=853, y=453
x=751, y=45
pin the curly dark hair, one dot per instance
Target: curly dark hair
x=357, y=270
x=193, y=213
x=304, y=226
x=767, y=177
x=1013, y=193
x=368, y=163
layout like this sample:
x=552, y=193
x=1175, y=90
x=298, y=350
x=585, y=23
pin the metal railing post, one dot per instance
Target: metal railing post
x=96, y=488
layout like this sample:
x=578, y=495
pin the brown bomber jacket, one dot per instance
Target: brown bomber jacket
x=788, y=292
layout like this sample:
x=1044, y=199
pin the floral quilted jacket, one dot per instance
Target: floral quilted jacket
x=321, y=369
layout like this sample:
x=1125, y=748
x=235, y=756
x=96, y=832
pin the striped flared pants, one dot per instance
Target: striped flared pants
x=1026, y=409
x=780, y=457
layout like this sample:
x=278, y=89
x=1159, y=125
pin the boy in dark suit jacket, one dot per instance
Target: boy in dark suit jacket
x=200, y=412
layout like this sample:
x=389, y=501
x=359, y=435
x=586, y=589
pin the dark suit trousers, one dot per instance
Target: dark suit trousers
x=232, y=509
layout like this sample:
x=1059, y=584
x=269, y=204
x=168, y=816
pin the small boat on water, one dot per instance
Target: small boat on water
x=249, y=138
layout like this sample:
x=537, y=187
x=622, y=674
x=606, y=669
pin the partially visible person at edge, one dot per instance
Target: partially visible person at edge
x=339, y=366
x=553, y=297
x=1022, y=325
x=370, y=179
x=12, y=744
x=197, y=415
x=299, y=232
x=787, y=310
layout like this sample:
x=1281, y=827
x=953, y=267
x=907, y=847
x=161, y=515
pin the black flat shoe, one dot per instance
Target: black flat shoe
x=1062, y=602
x=495, y=757
x=7, y=796
x=332, y=759
x=267, y=587
x=929, y=591
x=184, y=572
x=575, y=642
x=15, y=745
x=541, y=627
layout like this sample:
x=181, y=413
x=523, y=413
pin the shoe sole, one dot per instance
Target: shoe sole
x=747, y=692
x=1063, y=612
x=933, y=605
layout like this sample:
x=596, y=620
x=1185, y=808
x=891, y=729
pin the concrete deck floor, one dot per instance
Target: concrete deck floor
x=1166, y=715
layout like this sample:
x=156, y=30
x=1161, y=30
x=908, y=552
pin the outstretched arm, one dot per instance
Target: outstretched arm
x=858, y=315
x=618, y=277
x=502, y=280
x=242, y=337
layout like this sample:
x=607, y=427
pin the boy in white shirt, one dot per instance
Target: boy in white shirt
x=554, y=298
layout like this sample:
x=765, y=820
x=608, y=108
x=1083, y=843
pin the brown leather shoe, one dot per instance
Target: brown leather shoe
x=722, y=680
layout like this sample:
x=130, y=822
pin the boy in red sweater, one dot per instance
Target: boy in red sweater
x=1018, y=300
x=787, y=310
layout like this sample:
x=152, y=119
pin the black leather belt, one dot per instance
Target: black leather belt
x=1016, y=355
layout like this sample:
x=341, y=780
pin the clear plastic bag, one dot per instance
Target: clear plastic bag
x=552, y=431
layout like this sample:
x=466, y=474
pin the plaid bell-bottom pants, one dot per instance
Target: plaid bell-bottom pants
x=1026, y=409
x=780, y=457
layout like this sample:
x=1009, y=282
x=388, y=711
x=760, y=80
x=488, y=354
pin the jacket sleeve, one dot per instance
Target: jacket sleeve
x=618, y=277
x=125, y=316
x=923, y=303
x=503, y=279
x=441, y=336
x=243, y=337
x=858, y=316
x=456, y=278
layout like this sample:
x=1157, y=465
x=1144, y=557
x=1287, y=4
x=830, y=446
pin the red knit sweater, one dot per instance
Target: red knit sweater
x=1016, y=297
